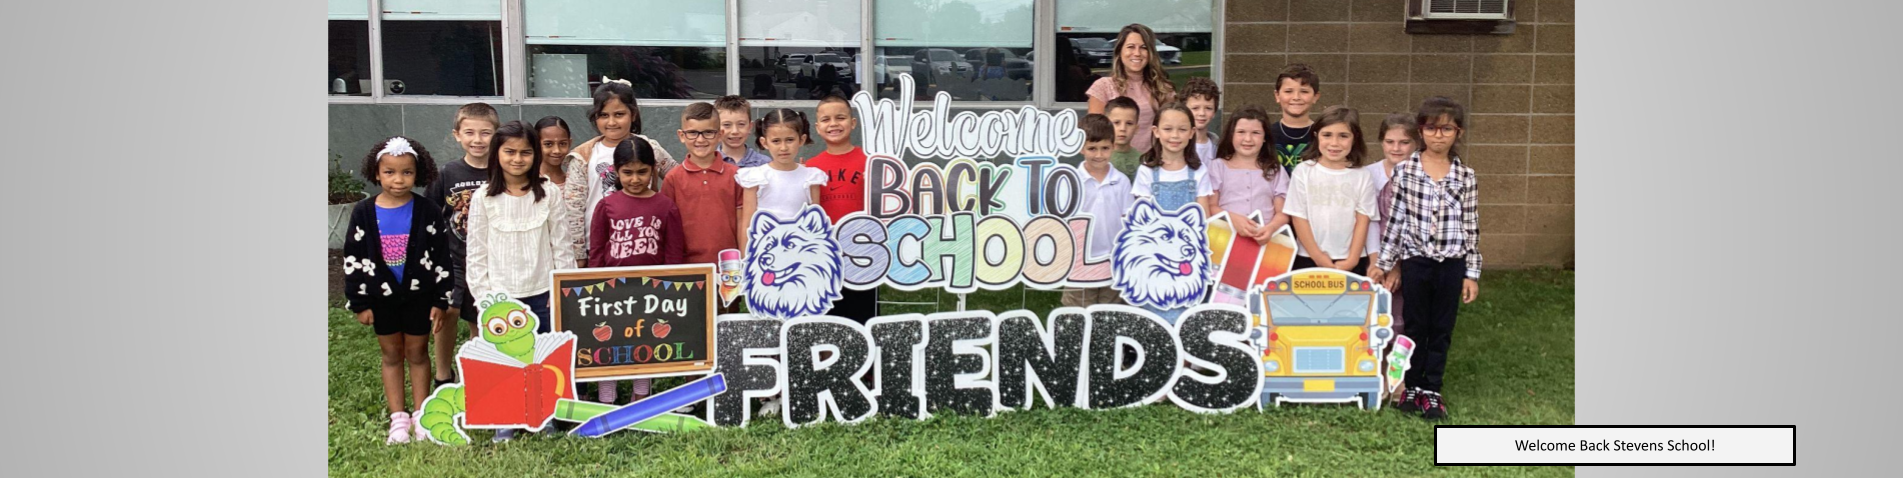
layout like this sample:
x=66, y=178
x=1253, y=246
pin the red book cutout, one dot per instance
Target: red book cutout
x=502, y=392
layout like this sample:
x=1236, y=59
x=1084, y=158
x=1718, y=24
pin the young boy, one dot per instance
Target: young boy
x=1106, y=196
x=704, y=187
x=736, y=120
x=1122, y=113
x=1297, y=89
x=845, y=190
x=475, y=124
x=1201, y=96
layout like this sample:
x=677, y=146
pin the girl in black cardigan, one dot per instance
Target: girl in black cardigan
x=396, y=275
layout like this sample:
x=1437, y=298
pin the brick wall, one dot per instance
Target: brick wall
x=1518, y=89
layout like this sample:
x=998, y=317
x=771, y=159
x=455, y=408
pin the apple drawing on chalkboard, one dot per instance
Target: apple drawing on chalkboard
x=661, y=329
x=603, y=332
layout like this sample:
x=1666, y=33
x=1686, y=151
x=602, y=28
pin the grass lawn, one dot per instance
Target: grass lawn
x=1512, y=364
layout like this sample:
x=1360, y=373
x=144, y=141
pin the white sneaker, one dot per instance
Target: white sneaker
x=503, y=435
x=771, y=408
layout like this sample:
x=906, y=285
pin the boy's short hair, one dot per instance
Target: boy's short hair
x=477, y=110
x=734, y=103
x=1204, y=87
x=1302, y=76
x=698, y=111
x=833, y=98
x=1123, y=102
x=1097, y=128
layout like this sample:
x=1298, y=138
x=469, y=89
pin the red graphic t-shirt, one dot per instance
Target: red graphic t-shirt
x=845, y=190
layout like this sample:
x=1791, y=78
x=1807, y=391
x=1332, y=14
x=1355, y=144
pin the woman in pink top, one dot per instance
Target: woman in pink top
x=1138, y=74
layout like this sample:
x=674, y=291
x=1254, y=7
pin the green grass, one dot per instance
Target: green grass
x=1513, y=364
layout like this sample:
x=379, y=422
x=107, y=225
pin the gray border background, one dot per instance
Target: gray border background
x=1734, y=250
x=1734, y=258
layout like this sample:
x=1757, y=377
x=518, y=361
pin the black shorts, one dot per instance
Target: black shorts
x=410, y=318
x=468, y=312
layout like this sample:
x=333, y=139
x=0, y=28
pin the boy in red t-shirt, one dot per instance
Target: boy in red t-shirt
x=845, y=191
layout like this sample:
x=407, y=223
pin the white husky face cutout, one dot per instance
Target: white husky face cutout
x=1162, y=260
x=792, y=268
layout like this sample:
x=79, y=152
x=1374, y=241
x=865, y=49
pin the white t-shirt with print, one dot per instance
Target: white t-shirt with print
x=1329, y=200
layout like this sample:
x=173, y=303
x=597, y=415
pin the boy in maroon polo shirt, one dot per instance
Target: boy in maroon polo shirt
x=704, y=187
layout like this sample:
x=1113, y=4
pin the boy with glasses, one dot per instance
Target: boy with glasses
x=704, y=187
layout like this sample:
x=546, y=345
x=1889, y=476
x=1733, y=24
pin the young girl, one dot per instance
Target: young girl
x=589, y=165
x=1171, y=173
x=1400, y=138
x=1245, y=179
x=395, y=273
x=781, y=186
x=1331, y=198
x=634, y=227
x=1434, y=238
x=554, y=134
x=1138, y=74
x=517, y=230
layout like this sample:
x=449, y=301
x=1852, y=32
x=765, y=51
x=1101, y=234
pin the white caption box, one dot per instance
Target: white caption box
x=1615, y=445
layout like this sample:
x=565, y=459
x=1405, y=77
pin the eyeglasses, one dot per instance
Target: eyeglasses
x=702, y=134
x=1439, y=130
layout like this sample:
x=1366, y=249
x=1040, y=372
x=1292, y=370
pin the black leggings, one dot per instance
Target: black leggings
x=1430, y=292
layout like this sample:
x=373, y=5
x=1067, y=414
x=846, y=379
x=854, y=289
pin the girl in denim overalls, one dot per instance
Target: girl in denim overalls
x=1171, y=173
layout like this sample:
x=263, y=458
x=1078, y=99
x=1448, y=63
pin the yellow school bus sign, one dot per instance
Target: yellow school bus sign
x=1321, y=333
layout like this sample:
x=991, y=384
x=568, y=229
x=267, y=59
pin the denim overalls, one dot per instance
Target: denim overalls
x=1171, y=196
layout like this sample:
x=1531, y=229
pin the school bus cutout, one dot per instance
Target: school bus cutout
x=1320, y=333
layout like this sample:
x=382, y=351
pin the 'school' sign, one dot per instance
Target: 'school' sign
x=646, y=321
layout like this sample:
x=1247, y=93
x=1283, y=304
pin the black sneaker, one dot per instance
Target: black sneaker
x=1431, y=406
x=440, y=382
x=1410, y=400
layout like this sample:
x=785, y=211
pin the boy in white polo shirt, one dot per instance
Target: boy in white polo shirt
x=1106, y=197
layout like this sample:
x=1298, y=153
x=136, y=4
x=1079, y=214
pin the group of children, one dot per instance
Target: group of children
x=1409, y=221
x=522, y=202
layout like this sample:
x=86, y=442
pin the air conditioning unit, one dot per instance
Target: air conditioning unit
x=1460, y=16
x=1465, y=10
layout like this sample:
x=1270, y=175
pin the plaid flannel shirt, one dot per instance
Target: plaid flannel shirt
x=1434, y=220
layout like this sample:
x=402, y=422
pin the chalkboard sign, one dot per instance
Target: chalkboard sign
x=638, y=321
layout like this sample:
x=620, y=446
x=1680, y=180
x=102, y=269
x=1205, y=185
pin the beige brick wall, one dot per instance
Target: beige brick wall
x=1518, y=89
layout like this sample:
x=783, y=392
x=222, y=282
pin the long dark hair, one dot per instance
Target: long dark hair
x=1158, y=81
x=1226, y=148
x=1154, y=157
x=1357, y=150
x=612, y=90
x=518, y=130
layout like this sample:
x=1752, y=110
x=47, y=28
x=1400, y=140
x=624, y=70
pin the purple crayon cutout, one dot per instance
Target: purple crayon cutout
x=653, y=406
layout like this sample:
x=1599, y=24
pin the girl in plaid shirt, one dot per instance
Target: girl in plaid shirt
x=1433, y=237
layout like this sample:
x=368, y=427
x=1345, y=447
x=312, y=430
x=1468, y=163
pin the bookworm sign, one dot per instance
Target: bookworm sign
x=645, y=321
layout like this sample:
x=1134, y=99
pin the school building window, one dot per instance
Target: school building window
x=558, y=51
x=349, y=48
x=668, y=50
x=1087, y=31
x=955, y=46
x=799, y=49
x=442, y=47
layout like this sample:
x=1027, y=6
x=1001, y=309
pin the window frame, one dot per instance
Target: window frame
x=515, y=74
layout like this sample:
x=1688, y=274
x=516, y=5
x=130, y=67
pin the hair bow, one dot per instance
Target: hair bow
x=623, y=82
x=397, y=146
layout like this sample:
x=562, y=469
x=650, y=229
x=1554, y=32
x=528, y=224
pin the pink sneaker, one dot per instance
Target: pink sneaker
x=399, y=429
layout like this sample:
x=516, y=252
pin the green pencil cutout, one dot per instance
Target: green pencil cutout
x=578, y=411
